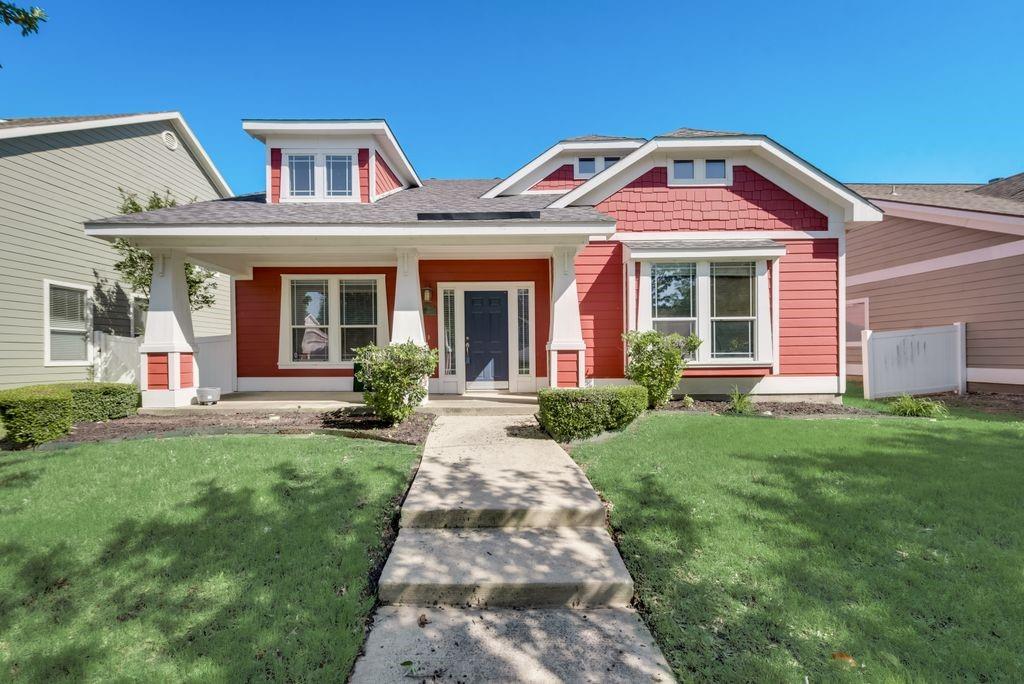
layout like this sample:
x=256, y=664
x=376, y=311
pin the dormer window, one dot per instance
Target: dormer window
x=588, y=167
x=700, y=172
x=319, y=176
x=609, y=161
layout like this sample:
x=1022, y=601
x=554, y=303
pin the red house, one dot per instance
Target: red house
x=523, y=282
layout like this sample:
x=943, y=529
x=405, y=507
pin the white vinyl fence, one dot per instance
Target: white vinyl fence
x=116, y=359
x=915, y=361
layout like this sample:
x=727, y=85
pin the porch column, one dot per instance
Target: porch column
x=168, y=372
x=407, y=325
x=566, y=332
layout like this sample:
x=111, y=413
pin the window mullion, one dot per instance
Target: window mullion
x=704, y=310
x=334, y=314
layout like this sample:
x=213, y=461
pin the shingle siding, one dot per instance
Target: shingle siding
x=49, y=185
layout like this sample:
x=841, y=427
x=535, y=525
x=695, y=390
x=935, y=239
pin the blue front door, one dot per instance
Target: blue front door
x=487, y=336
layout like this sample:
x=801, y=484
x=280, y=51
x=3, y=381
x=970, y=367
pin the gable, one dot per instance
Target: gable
x=562, y=178
x=752, y=202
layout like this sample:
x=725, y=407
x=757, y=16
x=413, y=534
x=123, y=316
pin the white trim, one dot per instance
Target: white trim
x=630, y=236
x=965, y=218
x=88, y=332
x=776, y=311
x=457, y=384
x=550, y=154
x=304, y=384
x=700, y=171
x=175, y=118
x=762, y=385
x=974, y=256
x=334, y=361
x=373, y=177
x=734, y=253
x=841, y=272
x=600, y=164
x=855, y=207
x=1002, y=376
x=320, y=155
x=168, y=398
x=422, y=229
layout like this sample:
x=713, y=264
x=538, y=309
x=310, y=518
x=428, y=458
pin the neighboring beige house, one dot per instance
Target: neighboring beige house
x=58, y=286
x=944, y=253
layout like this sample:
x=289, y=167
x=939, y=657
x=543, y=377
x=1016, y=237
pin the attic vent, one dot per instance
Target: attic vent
x=478, y=216
x=170, y=140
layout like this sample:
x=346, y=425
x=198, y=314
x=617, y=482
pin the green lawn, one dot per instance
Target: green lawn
x=192, y=559
x=761, y=547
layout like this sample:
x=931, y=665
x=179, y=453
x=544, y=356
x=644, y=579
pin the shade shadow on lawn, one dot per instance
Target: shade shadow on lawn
x=235, y=558
x=762, y=547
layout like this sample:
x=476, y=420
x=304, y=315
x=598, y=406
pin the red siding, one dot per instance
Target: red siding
x=809, y=308
x=275, y=175
x=562, y=178
x=258, y=320
x=751, y=203
x=386, y=180
x=599, y=280
x=568, y=369
x=469, y=270
x=186, y=369
x=364, y=175
x=156, y=371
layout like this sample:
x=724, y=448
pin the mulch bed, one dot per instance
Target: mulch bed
x=989, y=402
x=774, y=408
x=348, y=422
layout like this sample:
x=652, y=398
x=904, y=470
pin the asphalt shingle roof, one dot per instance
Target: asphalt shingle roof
x=1011, y=187
x=966, y=196
x=48, y=120
x=702, y=244
x=593, y=137
x=403, y=207
x=696, y=133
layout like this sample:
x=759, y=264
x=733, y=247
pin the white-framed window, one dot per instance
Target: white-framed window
x=140, y=307
x=588, y=167
x=324, y=318
x=857, y=320
x=724, y=302
x=319, y=175
x=683, y=171
x=67, y=324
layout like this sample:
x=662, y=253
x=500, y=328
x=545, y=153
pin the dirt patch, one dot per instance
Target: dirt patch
x=988, y=402
x=774, y=408
x=355, y=422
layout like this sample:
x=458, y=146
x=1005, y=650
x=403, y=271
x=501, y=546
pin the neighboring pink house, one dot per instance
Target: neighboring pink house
x=523, y=282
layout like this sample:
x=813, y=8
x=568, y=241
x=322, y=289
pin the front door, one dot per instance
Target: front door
x=487, y=339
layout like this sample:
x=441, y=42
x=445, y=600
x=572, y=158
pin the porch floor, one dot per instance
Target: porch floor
x=471, y=403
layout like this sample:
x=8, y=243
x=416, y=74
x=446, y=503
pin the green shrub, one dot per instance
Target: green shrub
x=917, y=407
x=395, y=378
x=36, y=414
x=41, y=413
x=687, y=401
x=657, y=361
x=571, y=413
x=740, y=403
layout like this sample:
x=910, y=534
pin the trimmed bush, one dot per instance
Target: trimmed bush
x=36, y=414
x=657, y=361
x=917, y=407
x=570, y=413
x=395, y=378
x=41, y=413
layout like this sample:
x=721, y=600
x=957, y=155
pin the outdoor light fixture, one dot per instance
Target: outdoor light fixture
x=427, y=294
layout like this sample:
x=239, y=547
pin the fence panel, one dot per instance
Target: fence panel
x=116, y=358
x=915, y=361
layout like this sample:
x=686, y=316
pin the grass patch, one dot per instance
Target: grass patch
x=761, y=547
x=193, y=559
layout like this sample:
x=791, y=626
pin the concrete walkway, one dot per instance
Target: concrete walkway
x=503, y=570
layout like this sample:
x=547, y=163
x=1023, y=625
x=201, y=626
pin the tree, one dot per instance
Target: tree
x=136, y=265
x=28, y=19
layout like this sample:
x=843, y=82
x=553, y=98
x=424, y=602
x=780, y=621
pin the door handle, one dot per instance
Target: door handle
x=467, y=346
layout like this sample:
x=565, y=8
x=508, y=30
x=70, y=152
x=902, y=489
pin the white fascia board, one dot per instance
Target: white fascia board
x=856, y=208
x=175, y=118
x=379, y=129
x=447, y=229
x=720, y=253
x=965, y=218
x=553, y=152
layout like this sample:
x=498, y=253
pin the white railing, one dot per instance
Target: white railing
x=115, y=358
x=915, y=361
x=215, y=362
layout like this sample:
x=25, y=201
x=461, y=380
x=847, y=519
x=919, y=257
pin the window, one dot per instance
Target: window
x=733, y=310
x=140, y=307
x=325, y=318
x=339, y=175
x=856, y=320
x=674, y=298
x=523, y=333
x=610, y=161
x=67, y=324
x=682, y=169
x=587, y=166
x=448, y=307
x=714, y=169
x=301, y=175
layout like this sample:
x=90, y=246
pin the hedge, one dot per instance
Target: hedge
x=569, y=414
x=41, y=413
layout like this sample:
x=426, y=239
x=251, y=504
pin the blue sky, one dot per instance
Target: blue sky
x=887, y=91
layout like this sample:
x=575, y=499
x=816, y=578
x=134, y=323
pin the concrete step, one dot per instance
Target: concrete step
x=520, y=568
x=482, y=472
x=505, y=645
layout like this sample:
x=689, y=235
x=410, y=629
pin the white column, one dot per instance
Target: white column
x=407, y=325
x=566, y=331
x=168, y=330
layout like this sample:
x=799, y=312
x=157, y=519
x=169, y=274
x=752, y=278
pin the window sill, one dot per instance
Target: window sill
x=49, y=364
x=314, y=364
x=730, y=363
